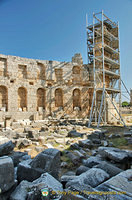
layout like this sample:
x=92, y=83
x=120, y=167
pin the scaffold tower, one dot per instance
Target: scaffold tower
x=103, y=52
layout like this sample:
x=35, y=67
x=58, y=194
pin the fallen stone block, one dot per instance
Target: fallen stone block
x=86, y=144
x=81, y=170
x=120, y=184
x=23, y=142
x=46, y=161
x=75, y=159
x=6, y=195
x=21, y=191
x=92, y=177
x=6, y=173
x=6, y=148
x=26, y=172
x=17, y=157
x=74, y=133
x=78, y=191
x=109, y=168
x=114, y=154
x=92, y=161
x=33, y=190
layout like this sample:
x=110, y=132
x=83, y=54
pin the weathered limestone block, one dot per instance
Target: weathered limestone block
x=21, y=191
x=28, y=190
x=26, y=172
x=114, y=154
x=46, y=161
x=109, y=168
x=23, y=142
x=6, y=148
x=74, y=133
x=119, y=183
x=86, y=143
x=6, y=173
x=92, y=161
x=92, y=177
x=81, y=170
x=17, y=157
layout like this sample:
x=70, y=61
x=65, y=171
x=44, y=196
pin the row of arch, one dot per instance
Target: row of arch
x=41, y=98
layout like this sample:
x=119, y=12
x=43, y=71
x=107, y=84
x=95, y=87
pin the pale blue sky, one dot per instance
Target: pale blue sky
x=55, y=29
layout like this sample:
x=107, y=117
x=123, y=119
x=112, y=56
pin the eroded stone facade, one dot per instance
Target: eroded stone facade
x=35, y=89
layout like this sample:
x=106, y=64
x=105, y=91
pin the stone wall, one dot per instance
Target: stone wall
x=35, y=89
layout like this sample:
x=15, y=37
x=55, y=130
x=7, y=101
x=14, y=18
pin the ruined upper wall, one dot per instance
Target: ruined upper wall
x=17, y=69
x=31, y=86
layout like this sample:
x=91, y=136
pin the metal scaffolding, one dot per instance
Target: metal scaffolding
x=104, y=61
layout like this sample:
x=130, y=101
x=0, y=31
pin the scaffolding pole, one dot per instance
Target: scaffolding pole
x=103, y=52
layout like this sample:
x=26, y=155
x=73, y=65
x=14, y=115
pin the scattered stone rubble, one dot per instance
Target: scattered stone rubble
x=99, y=170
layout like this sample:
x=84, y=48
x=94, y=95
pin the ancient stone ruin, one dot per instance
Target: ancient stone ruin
x=35, y=89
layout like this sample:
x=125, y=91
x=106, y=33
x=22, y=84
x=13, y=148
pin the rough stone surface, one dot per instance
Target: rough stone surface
x=74, y=133
x=96, y=135
x=81, y=170
x=6, y=195
x=28, y=190
x=21, y=191
x=75, y=159
x=113, y=154
x=109, y=168
x=75, y=146
x=49, y=161
x=86, y=143
x=92, y=177
x=82, y=189
x=17, y=157
x=93, y=160
x=26, y=172
x=23, y=142
x=6, y=148
x=119, y=183
x=6, y=173
x=46, y=161
x=67, y=178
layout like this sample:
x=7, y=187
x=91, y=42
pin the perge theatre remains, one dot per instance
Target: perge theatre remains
x=35, y=89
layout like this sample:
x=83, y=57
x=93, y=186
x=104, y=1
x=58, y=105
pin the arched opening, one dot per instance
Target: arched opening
x=22, y=99
x=40, y=99
x=58, y=97
x=76, y=98
x=3, y=98
x=76, y=74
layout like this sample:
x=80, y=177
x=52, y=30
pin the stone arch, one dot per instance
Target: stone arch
x=3, y=98
x=40, y=98
x=76, y=72
x=22, y=98
x=59, y=97
x=76, y=98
